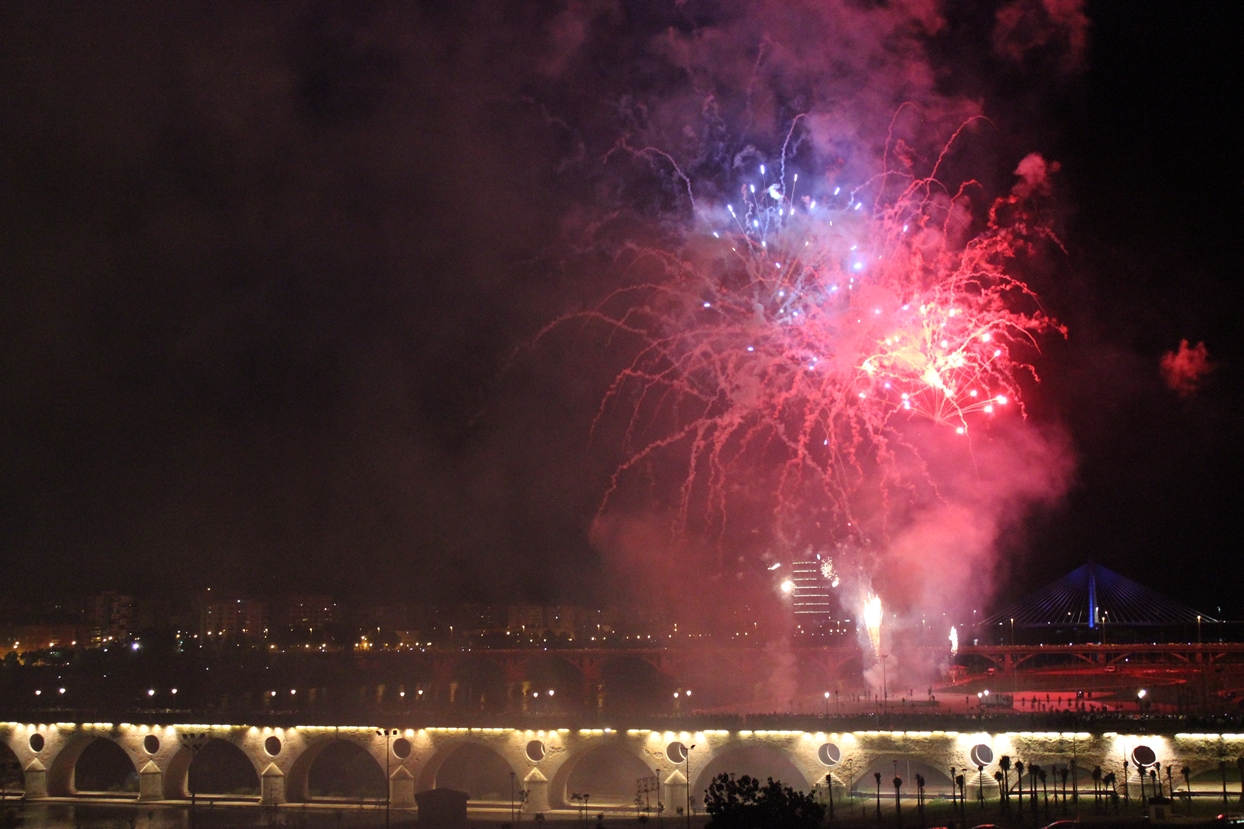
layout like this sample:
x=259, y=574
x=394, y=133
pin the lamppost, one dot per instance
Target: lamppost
x=689, y=748
x=195, y=743
x=827, y=703
x=885, y=693
x=387, y=733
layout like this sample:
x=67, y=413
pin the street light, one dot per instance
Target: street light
x=387, y=733
x=885, y=694
x=195, y=743
x=827, y=703
x=689, y=748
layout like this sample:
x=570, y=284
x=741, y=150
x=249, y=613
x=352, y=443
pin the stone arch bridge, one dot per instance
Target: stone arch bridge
x=550, y=765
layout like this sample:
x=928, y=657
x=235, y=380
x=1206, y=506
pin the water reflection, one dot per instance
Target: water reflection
x=60, y=815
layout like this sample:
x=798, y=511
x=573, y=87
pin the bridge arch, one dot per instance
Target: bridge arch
x=553, y=672
x=300, y=779
x=61, y=779
x=105, y=766
x=936, y=780
x=478, y=682
x=634, y=684
x=220, y=767
x=473, y=766
x=12, y=781
x=755, y=759
x=608, y=771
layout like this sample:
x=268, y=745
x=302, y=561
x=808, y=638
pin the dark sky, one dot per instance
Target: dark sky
x=268, y=273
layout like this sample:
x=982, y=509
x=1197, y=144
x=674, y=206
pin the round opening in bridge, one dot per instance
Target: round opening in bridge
x=676, y=752
x=151, y=744
x=535, y=751
x=981, y=754
x=829, y=755
x=37, y=742
x=1144, y=756
x=272, y=745
x=401, y=748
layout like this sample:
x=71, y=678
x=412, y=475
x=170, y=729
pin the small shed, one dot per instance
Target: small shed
x=442, y=807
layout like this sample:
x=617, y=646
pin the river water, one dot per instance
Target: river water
x=121, y=815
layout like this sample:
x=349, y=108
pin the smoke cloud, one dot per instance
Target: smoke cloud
x=1187, y=369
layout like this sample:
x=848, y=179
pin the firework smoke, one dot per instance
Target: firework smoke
x=828, y=344
x=1187, y=369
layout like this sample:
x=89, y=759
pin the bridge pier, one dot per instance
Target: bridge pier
x=537, y=787
x=36, y=779
x=272, y=786
x=402, y=789
x=150, y=782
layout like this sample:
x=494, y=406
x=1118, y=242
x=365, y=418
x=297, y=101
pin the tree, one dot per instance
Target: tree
x=743, y=803
x=1004, y=763
x=1187, y=773
x=1019, y=782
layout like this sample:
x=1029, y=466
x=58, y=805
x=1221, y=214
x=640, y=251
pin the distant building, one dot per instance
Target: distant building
x=308, y=611
x=526, y=618
x=231, y=618
x=478, y=619
x=810, y=595
x=110, y=616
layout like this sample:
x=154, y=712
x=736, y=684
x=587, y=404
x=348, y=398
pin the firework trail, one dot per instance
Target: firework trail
x=954, y=641
x=872, y=623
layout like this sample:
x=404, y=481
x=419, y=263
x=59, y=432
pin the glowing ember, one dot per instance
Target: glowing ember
x=872, y=621
x=954, y=641
x=829, y=573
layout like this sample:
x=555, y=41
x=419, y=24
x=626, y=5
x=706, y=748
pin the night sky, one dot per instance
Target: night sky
x=271, y=276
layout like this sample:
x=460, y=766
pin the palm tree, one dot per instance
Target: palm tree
x=1096, y=786
x=1019, y=782
x=962, y=782
x=1063, y=773
x=1045, y=789
x=997, y=775
x=954, y=805
x=1222, y=770
x=1187, y=773
x=1141, y=773
x=1109, y=780
x=1004, y=765
x=829, y=787
x=920, y=796
x=1157, y=767
x=898, y=803
x=877, y=776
